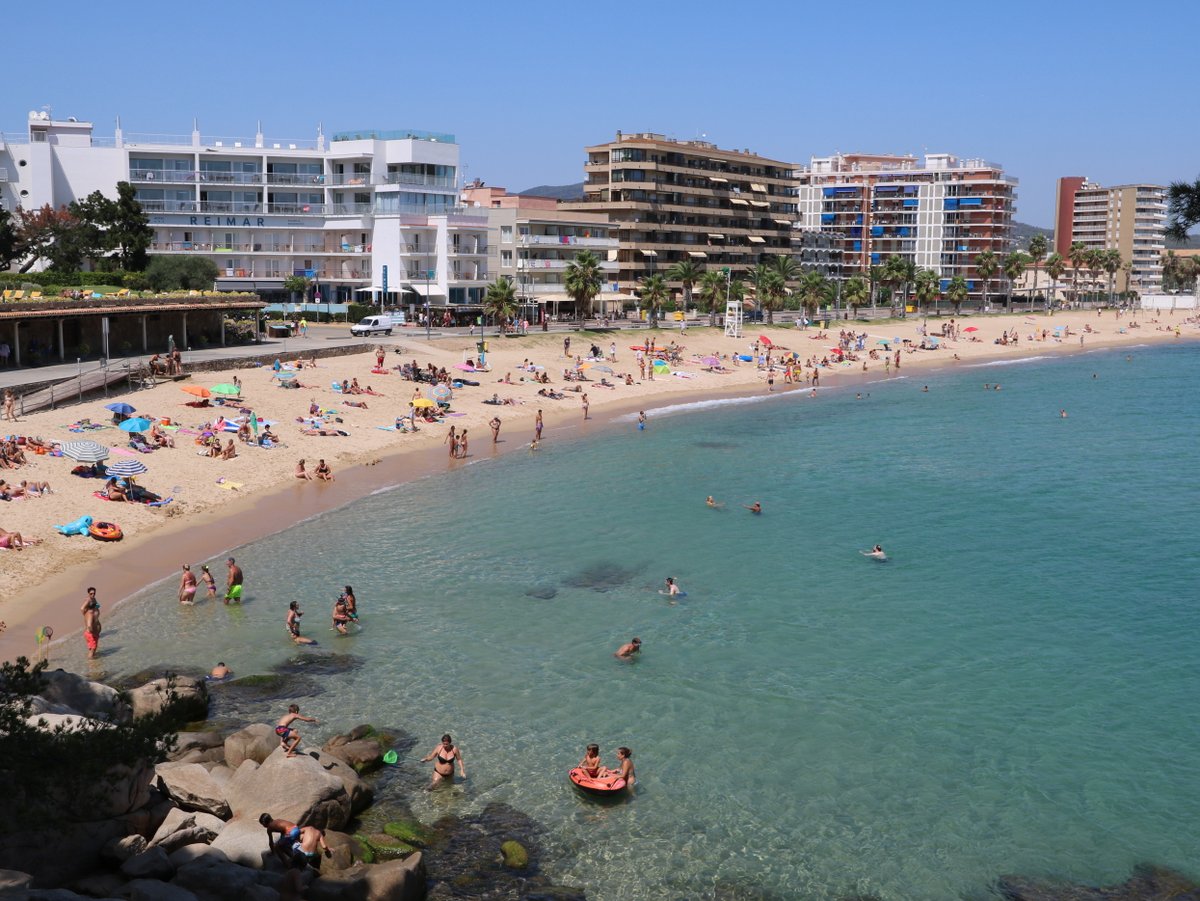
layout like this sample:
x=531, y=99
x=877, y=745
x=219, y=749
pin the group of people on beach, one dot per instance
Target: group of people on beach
x=189, y=585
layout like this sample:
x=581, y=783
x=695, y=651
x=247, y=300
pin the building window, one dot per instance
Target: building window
x=506, y=234
x=506, y=258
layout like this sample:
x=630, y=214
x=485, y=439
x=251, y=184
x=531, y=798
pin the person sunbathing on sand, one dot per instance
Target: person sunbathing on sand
x=159, y=437
x=336, y=433
x=15, y=541
x=230, y=451
x=356, y=403
x=114, y=491
x=323, y=472
x=302, y=473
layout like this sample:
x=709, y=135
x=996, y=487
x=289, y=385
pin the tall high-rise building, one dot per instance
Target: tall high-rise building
x=1131, y=219
x=939, y=213
x=671, y=200
x=338, y=210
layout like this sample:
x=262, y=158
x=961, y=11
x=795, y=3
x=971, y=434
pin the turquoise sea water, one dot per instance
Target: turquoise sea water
x=1012, y=692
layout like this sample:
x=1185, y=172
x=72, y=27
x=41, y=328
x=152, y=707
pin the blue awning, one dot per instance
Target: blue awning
x=970, y=201
x=951, y=203
x=876, y=231
x=909, y=204
x=858, y=245
x=827, y=217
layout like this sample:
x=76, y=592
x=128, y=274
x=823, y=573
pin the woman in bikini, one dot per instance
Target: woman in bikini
x=443, y=756
x=210, y=583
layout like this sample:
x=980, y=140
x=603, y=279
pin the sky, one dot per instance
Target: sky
x=1046, y=88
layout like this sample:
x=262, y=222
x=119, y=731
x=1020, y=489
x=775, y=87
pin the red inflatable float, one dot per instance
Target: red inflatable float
x=596, y=785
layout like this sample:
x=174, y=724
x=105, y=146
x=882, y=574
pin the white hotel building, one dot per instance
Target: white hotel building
x=340, y=211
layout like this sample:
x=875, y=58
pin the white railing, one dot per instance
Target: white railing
x=579, y=240
x=606, y=265
x=428, y=181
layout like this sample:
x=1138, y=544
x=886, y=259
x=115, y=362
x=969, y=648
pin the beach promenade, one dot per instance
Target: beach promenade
x=220, y=503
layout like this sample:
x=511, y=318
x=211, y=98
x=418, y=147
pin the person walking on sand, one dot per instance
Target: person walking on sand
x=584, y=401
x=495, y=427
x=187, y=586
x=91, y=623
x=567, y=346
x=452, y=440
x=537, y=427
x=379, y=355
x=462, y=444
x=444, y=755
x=612, y=352
x=210, y=583
x=289, y=738
x=233, y=590
x=10, y=401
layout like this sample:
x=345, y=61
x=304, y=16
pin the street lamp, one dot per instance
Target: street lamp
x=428, y=309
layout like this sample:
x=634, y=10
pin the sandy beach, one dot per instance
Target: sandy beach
x=218, y=504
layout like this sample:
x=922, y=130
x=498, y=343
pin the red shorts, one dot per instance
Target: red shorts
x=91, y=640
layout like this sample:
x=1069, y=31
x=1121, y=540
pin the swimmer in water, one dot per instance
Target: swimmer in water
x=628, y=650
x=712, y=503
x=756, y=507
x=672, y=589
x=876, y=553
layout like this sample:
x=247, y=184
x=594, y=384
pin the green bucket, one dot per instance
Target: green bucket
x=390, y=757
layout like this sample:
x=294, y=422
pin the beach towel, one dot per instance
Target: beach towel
x=227, y=485
x=124, y=452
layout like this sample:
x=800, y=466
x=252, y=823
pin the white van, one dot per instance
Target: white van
x=372, y=325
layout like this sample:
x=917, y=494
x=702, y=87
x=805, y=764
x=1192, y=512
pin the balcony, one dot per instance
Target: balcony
x=348, y=209
x=425, y=181
x=469, y=250
x=225, y=206
x=349, y=179
x=163, y=176
x=572, y=240
x=559, y=265
x=296, y=209
x=295, y=178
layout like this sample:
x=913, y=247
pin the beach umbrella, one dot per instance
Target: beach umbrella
x=884, y=341
x=970, y=328
x=135, y=425
x=764, y=340
x=123, y=409
x=196, y=391
x=441, y=393
x=711, y=361
x=126, y=469
x=85, y=451
x=607, y=369
x=226, y=390
x=422, y=403
x=254, y=423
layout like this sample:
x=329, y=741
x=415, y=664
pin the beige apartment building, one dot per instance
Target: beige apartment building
x=671, y=200
x=531, y=242
x=1131, y=219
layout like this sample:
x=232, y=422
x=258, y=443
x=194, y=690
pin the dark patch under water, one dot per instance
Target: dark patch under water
x=541, y=592
x=318, y=664
x=601, y=576
x=717, y=445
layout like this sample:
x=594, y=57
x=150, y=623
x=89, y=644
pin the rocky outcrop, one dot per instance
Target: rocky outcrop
x=360, y=748
x=14, y=880
x=396, y=880
x=299, y=789
x=255, y=742
x=64, y=692
x=243, y=841
x=183, y=828
x=191, y=787
x=152, y=863
x=187, y=696
x=1148, y=883
x=150, y=890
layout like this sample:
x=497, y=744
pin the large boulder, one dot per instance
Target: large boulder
x=60, y=856
x=190, y=786
x=299, y=789
x=208, y=876
x=153, y=890
x=396, y=880
x=64, y=692
x=243, y=841
x=150, y=864
x=360, y=792
x=186, y=828
x=121, y=849
x=255, y=742
x=100, y=885
x=359, y=748
x=186, y=742
x=190, y=853
x=14, y=880
x=187, y=697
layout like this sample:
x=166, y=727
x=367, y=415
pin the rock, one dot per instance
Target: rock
x=68, y=722
x=150, y=864
x=190, y=786
x=210, y=877
x=362, y=754
x=344, y=851
x=100, y=885
x=384, y=847
x=554, y=893
x=187, y=696
x=361, y=793
x=299, y=789
x=396, y=880
x=211, y=756
x=274, y=687
x=11, y=880
x=192, y=835
x=412, y=833
x=60, y=856
x=308, y=664
x=244, y=841
x=152, y=890
x=515, y=856
x=189, y=853
x=64, y=692
x=123, y=848
x=221, y=774
x=1148, y=883
x=255, y=742
x=541, y=592
x=259, y=893
x=196, y=741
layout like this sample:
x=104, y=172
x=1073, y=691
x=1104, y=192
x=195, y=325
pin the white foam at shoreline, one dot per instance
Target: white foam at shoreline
x=704, y=405
x=1007, y=362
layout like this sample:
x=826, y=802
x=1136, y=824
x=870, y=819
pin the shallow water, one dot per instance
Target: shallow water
x=1011, y=692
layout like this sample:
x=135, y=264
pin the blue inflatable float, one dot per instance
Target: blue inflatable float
x=78, y=527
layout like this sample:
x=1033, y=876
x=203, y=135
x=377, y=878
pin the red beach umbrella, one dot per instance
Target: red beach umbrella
x=765, y=340
x=970, y=328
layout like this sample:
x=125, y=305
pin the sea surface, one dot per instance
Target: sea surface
x=1013, y=691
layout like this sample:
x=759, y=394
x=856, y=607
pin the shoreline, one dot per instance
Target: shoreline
x=149, y=556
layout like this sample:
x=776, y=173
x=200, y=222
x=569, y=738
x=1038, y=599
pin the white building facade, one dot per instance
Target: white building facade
x=340, y=211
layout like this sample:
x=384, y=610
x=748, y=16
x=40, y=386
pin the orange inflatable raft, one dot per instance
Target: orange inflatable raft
x=105, y=531
x=596, y=785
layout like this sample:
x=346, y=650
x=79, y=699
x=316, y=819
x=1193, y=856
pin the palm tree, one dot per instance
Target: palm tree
x=986, y=267
x=1038, y=245
x=1184, y=208
x=712, y=292
x=1112, y=265
x=902, y=272
x=877, y=276
x=687, y=272
x=500, y=300
x=1078, y=254
x=927, y=288
x=1055, y=267
x=813, y=289
x=582, y=279
x=760, y=277
x=856, y=292
x=956, y=292
x=654, y=292
x=1014, y=265
x=1127, y=268
x=777, y=292
x=787, y=267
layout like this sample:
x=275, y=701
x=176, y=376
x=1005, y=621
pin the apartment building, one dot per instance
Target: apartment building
x=531, y=242
x=1131, y=219
x=337, y=210
x=671, y=200
x=939, y=212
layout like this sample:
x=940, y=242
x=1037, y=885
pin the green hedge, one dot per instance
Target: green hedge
x=62, y=280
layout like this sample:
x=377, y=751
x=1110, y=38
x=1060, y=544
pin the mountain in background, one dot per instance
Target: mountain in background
x=1021, y=231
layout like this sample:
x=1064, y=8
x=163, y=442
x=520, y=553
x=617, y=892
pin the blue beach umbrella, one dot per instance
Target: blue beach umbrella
x=123, y=409
x=137, y=424
x=125, y=469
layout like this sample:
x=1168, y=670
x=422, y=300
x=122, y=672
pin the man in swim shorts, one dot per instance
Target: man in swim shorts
x=91, y=622
x=233, y=590
x=289, y=738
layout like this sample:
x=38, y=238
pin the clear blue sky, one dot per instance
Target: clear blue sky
x=1046, y=88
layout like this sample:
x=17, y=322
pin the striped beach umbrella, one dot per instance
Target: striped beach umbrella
x=85, y=451
x=125, y=469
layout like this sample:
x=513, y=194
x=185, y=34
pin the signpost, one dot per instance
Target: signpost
x=385, y=286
